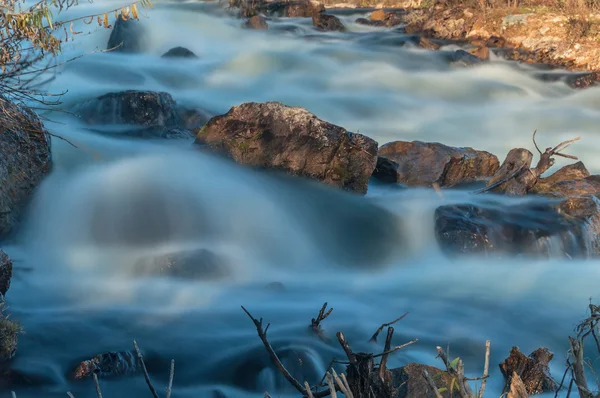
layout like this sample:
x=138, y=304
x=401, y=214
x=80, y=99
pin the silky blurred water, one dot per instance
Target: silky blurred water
x=112, y=201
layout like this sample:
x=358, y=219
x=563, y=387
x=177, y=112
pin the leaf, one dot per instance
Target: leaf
x=454, y=362
x=442, y=389
x=134, y=11
x=106, y=25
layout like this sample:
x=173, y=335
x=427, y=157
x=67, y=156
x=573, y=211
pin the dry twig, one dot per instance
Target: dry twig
x=486, y=369
x=376, y=334
x=146, y=376
x=171, y=374
x=97, y=383
x=315, y=324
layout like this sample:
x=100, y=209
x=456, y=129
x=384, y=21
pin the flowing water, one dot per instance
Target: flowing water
x=111, y=201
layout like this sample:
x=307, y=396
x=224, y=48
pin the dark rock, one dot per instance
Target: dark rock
x=584, y=80
x=192, y=264
x=411, y=383
x=275, y=287
x=274, y=136
x=576, y=171
x=482, y=53
x=179, y=52
x=495, y=42
x=9, y=333
x=463, y=58
x=193, y=118
x=533, y=370
x=126, y=36
x=532, y=228
x=257, y=22
x=135, y=113
x=418, y=163
x=25, y=160
x=278, y=8
x=516, y=160
x=5, y=272
x=109, y=364
x=428, y=44
x=327, y=22
x=303, y=9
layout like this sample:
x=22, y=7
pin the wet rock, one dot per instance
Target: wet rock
x=303, y=9
x=516, y=160
x=572, y=188
x=5, y=272
x=278, y=8
x=25, y=160
x=482, y=53
x=326, y=22
x=193, y=118
x=533, y=370
x=179, y=52
x=126, y=36
x=109, y=364
x=191, y=264
x=144, y=114
x=379, y=15
x=411, y=383
x=428, y=44
x=9, y=336
x=531, y=228
x=463, y=58
x=381, y=18
x=495, y=42
x=576, y=171
x=419, y=163
x=275, y=136
x=257, y=22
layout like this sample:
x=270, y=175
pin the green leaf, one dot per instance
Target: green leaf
x=455, y=362
x=443, y=389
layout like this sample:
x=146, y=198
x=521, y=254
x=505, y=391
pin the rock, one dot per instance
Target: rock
x=533, y=370
x=275, y=287
x=303, y=9
x=572, y=188
x=379, y=15
x=326, y=22
x=516, y=160
x=109, y=364
x=428, y=44
x=531, y=228
x=463, y=58
x=191, y=264
x=482, y=53
x=576, y=171
x=139, y=113
x=25, y=160
x=381, y=18
x=257, y=22
x=495, y=42
x=275, y=136
x=5, y=272
x=411, y=383
x=278, y=8
x=418, y=163
x=179, y=52
x=126, y=36
x=193, y=118
x=9, y=335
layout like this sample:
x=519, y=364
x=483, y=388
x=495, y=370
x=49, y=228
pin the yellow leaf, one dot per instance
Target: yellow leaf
x=106, y=25
x=134, y=11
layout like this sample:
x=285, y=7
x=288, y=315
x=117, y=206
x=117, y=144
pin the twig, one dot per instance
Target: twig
x=346, y=347
x=396, y=348
x=70, y=394
x=171, y=374
x=578, y=368
x=376, y=334
x=388, y=345
x=315, y=324
x=13, y=394
x=97, y=383
x=331, y=385
x=486, y=368
x=146, y=376
x=431, y=384
x=343, y=387
x=308, y=391
x=345, y=381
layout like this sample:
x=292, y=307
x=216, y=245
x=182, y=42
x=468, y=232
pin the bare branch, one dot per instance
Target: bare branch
x=578, y=368
x=331, y=385
x=388, y=345
x=346, y=347
x=315, y=324
x=486, y=368
x=431, y=384
x=97, y=383
x=171, y=374
x=146, y=376
x=376, y=334
x=535, y=143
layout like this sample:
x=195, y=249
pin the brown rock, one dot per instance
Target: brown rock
x=495, y=42
x=379, y=15
x=411, y=382
x=276, y=136
x=481, y=53
x=25, y=160
x=422, y=164
x=257, y=22
x=517, y=159
x=575, y=171
x=107, y=364
x=303, y=9
x=326, y=22
x=572, y=188
x=533, y=370
x=5, y=272
x=428, y=44
x=9, y=331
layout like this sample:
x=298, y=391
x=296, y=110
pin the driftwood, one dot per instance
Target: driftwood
x=517, y=177
x=365, y=378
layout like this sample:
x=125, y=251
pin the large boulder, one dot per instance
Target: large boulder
x=127, y=36
x=188, y=264
x=419, y=163
x=25, y=160
x=135, y=113
x=572, y=172
x=411, y=383
x=327, y=22
x=275, y=136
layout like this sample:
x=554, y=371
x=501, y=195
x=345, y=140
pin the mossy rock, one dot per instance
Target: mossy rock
x=9, y=333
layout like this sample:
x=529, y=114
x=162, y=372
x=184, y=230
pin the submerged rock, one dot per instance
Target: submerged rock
x=126, y=36
x=257, y=22
x=410, y=381
x=179, y=52
x=428, y=44
x=109, y=364
x=463, y=58
x=418, y=163
x=526, y=228
x=135, y=113
x=5, y=272
x=275, y=136
x=381, y=18
x=327, y=22
x=532, y=370
x=25, y=160
x=191, y=264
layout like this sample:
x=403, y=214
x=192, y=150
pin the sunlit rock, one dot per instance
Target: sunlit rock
x=327, y=22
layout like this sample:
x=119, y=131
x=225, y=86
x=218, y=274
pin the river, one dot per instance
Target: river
x=111, y=200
